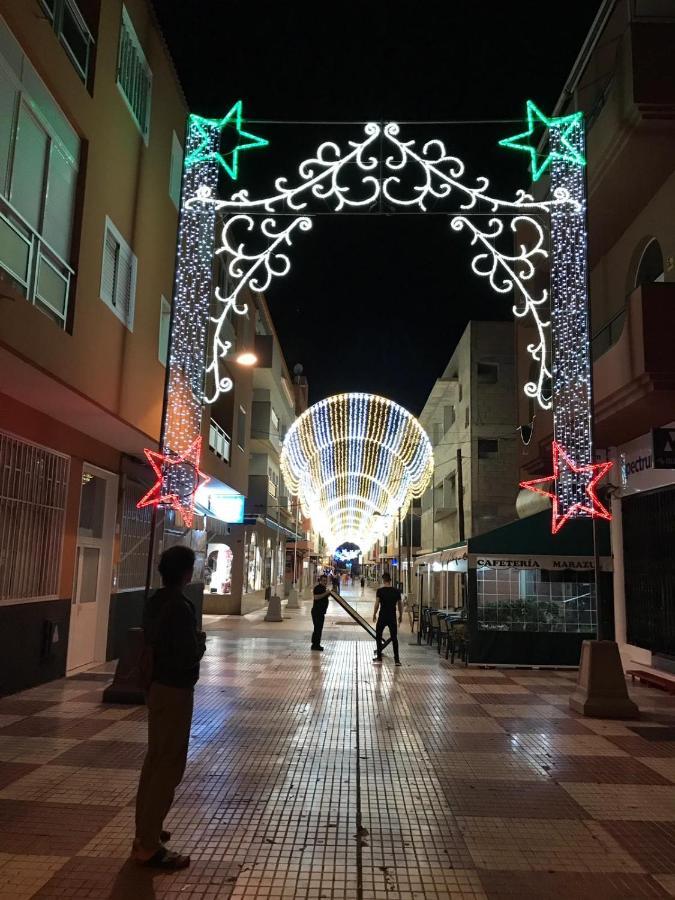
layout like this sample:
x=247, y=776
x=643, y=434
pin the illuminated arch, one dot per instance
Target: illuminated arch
x=355, y=460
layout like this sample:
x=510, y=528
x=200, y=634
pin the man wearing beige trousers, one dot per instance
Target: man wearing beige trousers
x=175, y=647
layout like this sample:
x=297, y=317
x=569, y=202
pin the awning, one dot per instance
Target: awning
x=527, y=544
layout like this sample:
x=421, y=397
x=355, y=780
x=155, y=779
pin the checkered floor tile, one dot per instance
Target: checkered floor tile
x=322, y=776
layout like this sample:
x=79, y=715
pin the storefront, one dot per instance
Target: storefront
x=530, y=595
x=643, y=537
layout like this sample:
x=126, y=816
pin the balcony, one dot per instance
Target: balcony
x=444, y=512
x=628, y=94
x=634, y=380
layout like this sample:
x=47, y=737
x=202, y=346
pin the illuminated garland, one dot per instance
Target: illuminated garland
x=177, y=464
x=355, y=460
x=321, y=179
x=573, y=484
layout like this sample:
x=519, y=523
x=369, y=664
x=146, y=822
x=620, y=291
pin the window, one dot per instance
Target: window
x=487, y=448
x=134, y=77
x=71, y=30
x=39, y=159
x=118, y=275
x=459, y=390
x=448, y=417
x=650, y=267
x=467, y=417
x=241, y=428
x=275, y=421
x=164, y=326
x=176, y=170
x=33, y=491
x=219, y=440
x=487, y=373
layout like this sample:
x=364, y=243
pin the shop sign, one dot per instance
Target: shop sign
x=575, y=563
x=664, y=448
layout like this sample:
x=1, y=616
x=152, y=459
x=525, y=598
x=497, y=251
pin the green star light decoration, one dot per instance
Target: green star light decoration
x=205, y=151
x=523, y=141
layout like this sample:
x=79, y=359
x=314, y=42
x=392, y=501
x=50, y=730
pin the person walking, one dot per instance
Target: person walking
x=335, y=581
x=363, y=585
x=319, y=610
x=387, y=600
x=174, y=648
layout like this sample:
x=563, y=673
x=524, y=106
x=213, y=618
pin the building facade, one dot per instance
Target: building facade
x=470, y=419
x=92, y=127
x=623, y=82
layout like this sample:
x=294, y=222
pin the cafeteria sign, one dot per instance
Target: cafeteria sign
x=511, y=561
x=664, y=448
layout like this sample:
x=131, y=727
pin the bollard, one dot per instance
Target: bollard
x=127, y=684
x=274, y=610
x=292, y=602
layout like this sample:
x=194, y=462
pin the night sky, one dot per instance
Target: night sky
x=376, y=303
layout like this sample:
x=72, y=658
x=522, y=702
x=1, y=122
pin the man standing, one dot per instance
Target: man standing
x=319, y=610
x=176, y=647
x=335, y=581
x=387, y=599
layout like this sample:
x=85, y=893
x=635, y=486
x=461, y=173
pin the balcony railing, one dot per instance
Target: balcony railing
x=608, y=335
x=41, y=273
x=219, y=441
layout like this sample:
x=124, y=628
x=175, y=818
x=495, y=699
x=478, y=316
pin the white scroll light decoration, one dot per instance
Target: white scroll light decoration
x=442, y=177
x=354, y=460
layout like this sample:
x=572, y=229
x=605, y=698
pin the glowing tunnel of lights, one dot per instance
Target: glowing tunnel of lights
x=354, y=460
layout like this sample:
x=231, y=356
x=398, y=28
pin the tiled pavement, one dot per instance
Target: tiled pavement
x=321, y=776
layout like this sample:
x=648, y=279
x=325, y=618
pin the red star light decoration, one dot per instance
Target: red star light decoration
x=592, y=473
x=178, y=477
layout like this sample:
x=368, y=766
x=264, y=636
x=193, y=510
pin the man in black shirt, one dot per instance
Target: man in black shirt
x=319, y=610
x=175, y=647
x=387, y=600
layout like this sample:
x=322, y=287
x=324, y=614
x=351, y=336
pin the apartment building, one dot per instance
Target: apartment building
x=470, y=417
x=92, y=127
x=623, y=81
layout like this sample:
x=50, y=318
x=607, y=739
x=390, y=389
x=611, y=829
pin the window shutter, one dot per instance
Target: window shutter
x=124, y=294
x=109, y=268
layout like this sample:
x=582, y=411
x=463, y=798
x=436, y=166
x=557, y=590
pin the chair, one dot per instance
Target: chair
x=460, y=642
x=413, y=615
x=444, y=635
x=434, y=626
x=426, y=622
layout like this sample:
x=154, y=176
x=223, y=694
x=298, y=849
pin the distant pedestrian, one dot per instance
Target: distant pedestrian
x=363, y=585
x=335, y=582
x=174, y=649
x=388, y=601
x=319, y=610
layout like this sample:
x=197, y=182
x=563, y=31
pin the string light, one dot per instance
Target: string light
x=203, y=149
x=177, y=465
x=573, y=491
x=354, y=460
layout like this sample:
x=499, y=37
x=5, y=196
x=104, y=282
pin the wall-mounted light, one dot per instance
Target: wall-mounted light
x=247, y=359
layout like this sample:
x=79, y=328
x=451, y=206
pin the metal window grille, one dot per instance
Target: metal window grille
x=134, y=539
x=33, y=490
x=134, y=76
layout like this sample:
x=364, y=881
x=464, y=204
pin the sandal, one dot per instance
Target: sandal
x=167, y=860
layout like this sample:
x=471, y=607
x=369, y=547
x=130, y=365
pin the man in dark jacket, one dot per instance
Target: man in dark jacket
x=170, y=626
x=319, y=610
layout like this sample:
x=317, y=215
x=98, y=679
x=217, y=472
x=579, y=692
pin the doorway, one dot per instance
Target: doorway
x=93, y=568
